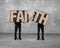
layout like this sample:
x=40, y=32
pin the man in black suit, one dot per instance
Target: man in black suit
x=40, y=26
x=17, y=25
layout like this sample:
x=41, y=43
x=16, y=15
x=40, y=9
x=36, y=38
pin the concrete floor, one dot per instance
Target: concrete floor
x=29, y=41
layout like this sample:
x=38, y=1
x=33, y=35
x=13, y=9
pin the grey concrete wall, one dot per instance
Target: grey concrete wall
x=52, y=7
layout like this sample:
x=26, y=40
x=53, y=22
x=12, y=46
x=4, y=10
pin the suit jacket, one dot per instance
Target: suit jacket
x=18, y=23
